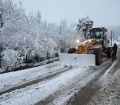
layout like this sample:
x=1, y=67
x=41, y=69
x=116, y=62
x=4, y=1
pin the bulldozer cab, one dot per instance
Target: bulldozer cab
x=98, y=33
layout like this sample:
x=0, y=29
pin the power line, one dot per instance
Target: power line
x=115, y=36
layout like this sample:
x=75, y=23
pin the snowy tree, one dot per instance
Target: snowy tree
x=27, y=37
x=38, y=17
x=9, y=59
x=84, y=24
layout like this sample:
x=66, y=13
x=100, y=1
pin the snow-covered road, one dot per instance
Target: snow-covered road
x=33, y=94
x=57, y=90
x=18, y=78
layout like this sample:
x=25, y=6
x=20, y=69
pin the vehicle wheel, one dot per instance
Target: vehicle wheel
x=109, y=52
x=99, y=57
x=72, y=50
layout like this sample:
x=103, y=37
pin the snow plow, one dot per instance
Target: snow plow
x=89, y=52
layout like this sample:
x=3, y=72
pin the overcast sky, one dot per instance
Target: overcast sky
x=103, y=12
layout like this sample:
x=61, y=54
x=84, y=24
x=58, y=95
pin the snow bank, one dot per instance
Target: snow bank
x=82, y=60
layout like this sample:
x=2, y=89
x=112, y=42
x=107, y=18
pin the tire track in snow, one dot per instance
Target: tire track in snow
x=28, y=89
x=35, y=81
x=85, y=94
x=34, y=93
x=71, y=90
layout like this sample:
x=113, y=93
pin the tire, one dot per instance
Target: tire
x=98, y=56
x=72, y=50
x=109, y=52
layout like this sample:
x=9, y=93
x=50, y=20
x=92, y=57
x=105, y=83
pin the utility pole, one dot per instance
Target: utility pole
x=111, y=37
x=1, y=48
x=0, y=33
x=1, y=22
x=60, y=40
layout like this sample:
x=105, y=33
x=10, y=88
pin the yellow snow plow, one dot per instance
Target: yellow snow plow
x=89, y=52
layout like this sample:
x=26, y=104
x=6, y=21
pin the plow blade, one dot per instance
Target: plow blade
x=81, y=60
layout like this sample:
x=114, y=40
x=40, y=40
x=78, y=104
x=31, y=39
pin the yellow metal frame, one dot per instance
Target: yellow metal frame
x=83, y=48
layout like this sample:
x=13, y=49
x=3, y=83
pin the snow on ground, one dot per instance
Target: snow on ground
x=77, y=84
x=109, y=94
x=40, y=91
x=61, y=87
x=11, y=79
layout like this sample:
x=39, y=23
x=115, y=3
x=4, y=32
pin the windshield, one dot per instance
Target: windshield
x=95, y=34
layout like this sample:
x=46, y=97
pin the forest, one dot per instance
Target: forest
x=27, y=39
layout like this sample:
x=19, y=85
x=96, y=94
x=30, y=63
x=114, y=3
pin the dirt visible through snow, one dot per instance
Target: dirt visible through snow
x=104, y=89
